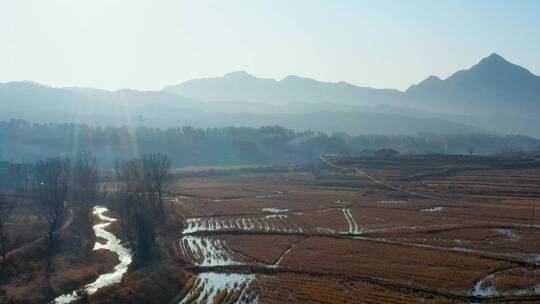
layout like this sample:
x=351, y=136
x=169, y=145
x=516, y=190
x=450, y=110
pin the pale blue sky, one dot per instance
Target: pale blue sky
x=148, y=44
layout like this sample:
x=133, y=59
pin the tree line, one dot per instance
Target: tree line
x=23, y=141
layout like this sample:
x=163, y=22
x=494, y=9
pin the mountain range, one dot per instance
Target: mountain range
x=493, y=86
x=493, y=96
x=241, y=86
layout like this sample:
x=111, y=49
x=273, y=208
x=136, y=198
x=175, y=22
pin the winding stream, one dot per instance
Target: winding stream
x=113, y=244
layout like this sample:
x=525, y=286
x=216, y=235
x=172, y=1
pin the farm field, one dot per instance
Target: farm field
x=429, y=229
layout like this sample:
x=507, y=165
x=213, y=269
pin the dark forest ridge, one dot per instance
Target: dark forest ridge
x=22, y=141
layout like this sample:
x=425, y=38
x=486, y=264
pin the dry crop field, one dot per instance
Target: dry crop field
x=429, y=229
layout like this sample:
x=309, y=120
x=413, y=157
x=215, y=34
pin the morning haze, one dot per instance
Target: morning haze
x=193, y=152
x=148, y=45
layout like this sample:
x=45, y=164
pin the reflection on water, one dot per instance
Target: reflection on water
x=393, y=202
x=483, y=289
x=274, y=210
x=229, y=287
x=486, y=288
x=508, y=233
x=206, y=251
x=113, y=244
x=353, y=226
x=432, y=209
x=273, y=222
x=212, y=287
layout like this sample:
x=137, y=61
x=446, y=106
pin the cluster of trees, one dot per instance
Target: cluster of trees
x=426, y=143
x=50, y=183
x=61, y=185
x=51, y=189
x=140, y=202
x=22, y=141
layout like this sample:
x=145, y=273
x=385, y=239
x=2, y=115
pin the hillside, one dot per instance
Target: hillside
x=43, y=104
x=493, y=86
x=241, y=86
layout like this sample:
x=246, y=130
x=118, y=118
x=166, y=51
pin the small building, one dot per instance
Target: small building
x=386, y=153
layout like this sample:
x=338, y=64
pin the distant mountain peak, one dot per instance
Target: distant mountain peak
x=495, y=64
x=494, y=57
x=238, y=74
x=295, y=78
x=28, y=83
x=289, y=77
x=432, y=78
x=494, y=60
x=494, y=85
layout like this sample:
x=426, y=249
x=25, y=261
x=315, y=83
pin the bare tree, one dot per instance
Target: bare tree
x=134, y=211
x=84, y=184
x=52, y=177
x=144, y=179
x=156, y=170
x=132, y=173
x=6, y=206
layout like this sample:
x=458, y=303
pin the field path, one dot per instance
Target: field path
x=363, y=173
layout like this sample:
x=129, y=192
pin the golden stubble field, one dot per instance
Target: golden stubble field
x=431, y=229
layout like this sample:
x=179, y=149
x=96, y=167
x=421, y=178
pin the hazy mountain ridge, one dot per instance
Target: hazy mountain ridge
x=493, y=95
x=38, y=103
x=241, y=86
x=493, y=86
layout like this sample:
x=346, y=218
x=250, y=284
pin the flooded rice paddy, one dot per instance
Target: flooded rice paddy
x=228, y=287
x=267, y=223
x=353, y=226
x=433, y=209
x=205, y=251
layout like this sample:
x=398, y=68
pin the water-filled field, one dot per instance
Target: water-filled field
x=403, y=231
